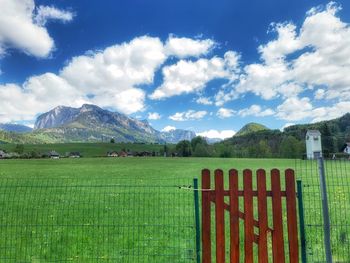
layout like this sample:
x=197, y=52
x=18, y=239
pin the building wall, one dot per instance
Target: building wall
x=313, y=146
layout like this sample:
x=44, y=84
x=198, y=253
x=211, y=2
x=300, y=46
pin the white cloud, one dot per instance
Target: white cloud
x=154, y=116
x=19, y=30
x=286, y=43
x=107, y=78
x=225, y=113
x=255, y=110
x=215, y=134
x=293, y=109
x=184, y=47
x=204, y=101
x=188, y=115
x=168, y=128
x=288, y=124
x=296, y=109
x=319, y=94
x=45, y=13
x=299, y=59
x=112, y=75
x=331, y=112
x=187, y=76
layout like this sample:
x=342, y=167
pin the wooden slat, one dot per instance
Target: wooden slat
x=234, y=216
x=220, y=216
x=277, y=234
x=255, y=193
x=292, y=216
x=263, y=220
x=249, y=216
x=206, y=224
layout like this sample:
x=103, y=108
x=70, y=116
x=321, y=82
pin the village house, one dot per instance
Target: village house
x=74, y=155
x=54, y=155
x=346, y=148
x=123, y=154
x=112, y=154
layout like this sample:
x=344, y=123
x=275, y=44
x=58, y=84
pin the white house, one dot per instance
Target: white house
x=313, y=144
x=346, y=148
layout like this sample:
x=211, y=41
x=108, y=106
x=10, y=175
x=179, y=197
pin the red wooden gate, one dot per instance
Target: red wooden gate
x=217, y=196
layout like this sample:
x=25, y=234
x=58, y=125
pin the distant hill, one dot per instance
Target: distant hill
x=20, y=138
x=250, y=128
x=290, y=143
x=9, y=127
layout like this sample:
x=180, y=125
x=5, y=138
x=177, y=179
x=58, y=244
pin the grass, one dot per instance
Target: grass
x=132, y=209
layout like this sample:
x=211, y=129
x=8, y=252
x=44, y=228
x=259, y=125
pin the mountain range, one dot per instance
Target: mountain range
x=91, y=123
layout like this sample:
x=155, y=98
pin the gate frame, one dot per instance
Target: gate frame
x=217, y=196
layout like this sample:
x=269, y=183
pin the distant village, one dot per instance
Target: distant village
x=313, y=144
x=55, y=155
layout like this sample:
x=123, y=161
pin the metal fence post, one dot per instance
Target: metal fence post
x=301, y=221
x=197, y=221
x=325, y=211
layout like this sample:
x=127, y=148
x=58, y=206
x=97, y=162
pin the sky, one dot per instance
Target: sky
x=206, y=66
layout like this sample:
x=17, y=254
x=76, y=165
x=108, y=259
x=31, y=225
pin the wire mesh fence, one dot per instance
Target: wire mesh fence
x=115, y=220
x=337, y=173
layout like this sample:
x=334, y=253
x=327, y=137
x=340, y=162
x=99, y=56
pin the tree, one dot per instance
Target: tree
x=328, y=142
x=112, y=140
x=184, y=148
x=19, y=148
x=201, y=151
x=290, y=147
x=198, y=140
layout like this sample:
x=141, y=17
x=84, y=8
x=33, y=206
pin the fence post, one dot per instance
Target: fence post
x=301, y=221
x=325, y=211
x=196, y=212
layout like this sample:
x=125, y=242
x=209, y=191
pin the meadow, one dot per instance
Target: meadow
x=137, y=209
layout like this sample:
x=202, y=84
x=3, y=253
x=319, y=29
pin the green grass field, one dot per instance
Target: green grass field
x=132, y=209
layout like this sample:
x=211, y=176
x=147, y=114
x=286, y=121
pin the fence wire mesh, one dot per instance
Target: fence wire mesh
x=337, y=172
x=115, y=220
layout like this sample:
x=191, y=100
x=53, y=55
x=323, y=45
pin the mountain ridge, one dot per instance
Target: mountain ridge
x=92, y=123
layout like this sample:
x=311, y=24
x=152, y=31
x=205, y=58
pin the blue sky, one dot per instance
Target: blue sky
x=199, y=65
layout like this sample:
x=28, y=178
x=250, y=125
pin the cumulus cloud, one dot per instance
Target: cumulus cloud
x=168, y=128
x=46, y=13
x=315, y=55
x=108, y=78
x=185, y=47
x=204, y=101
x=255, y=110
x=215, y=134
x=293, y=109
x=189, y=115
x=192, y=76
x=20, y=27
x=225, y=113
x=296, y=109
x=154, y=116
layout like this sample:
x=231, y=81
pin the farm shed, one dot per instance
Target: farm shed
x=313, y=144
